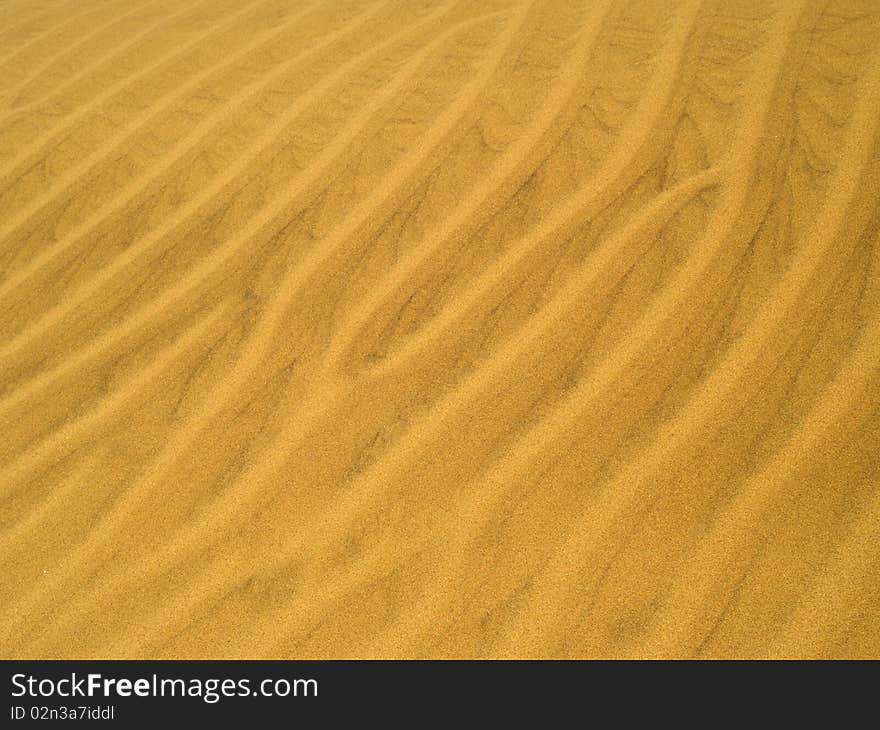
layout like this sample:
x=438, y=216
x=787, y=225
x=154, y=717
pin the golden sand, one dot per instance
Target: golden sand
x=439, y=328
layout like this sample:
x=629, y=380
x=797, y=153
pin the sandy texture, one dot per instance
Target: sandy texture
x=484, y=328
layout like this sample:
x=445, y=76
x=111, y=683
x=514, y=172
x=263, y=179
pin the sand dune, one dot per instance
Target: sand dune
x=425, y=328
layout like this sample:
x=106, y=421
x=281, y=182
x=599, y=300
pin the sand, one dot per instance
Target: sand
x=416, y=328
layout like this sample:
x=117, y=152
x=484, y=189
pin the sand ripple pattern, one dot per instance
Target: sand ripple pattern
x=449, y=328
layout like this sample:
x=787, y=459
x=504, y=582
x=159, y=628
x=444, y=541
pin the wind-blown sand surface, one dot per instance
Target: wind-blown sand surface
x=494, y=328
